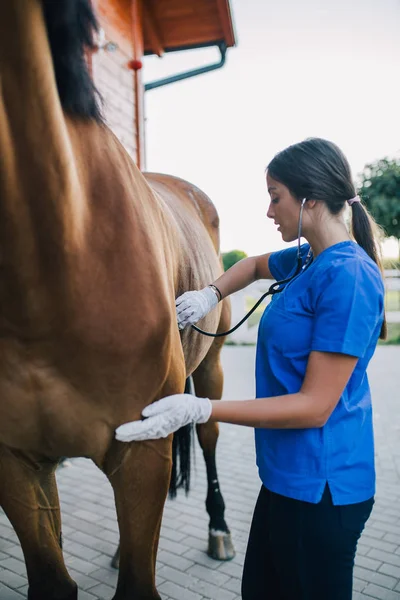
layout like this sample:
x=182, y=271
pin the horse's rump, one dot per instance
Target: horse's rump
x=197, y=241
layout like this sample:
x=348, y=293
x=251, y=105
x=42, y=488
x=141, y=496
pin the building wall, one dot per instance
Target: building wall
x=114, y=79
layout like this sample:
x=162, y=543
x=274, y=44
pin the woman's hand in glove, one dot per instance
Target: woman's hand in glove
x=166, y=416
x=193, y=306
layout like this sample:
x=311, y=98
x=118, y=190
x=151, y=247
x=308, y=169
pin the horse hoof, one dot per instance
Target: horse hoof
x=115, y=560
x=220, y=546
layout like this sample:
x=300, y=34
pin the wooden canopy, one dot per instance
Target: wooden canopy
x=182, y=24
x=169, y=25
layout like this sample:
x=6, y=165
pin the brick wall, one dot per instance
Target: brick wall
x=112, y=76
x=115, y=83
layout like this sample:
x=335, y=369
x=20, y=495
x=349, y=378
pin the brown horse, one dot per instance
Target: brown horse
x=92, y=256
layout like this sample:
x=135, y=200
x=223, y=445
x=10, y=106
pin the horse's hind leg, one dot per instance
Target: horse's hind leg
x=29, y=497
x=139, y=474
x=208, y=383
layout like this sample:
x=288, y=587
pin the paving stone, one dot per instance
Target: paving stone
x=233, y=585
x=391, y=570
x=14, y=565
x=174, y=547
x=84, y=582
x=83, y=566
x=380, y=544
x=382, y=556
x=12, y=580
x=81, y=551
x=208, y=590
x=102, y=591
x=182, y=579
x=91, y=541
x=381, y=593
x=177, y=592
x=82, y=595
x=384, y=580
x=368, y=563
x=172, y=560
x=201, y=558
x=390, y=537
x=214, y=576
x=3, y=556
x=230, y=568
x=173, y=535
x=358, y=584
x=108, y=576
x=9, y=594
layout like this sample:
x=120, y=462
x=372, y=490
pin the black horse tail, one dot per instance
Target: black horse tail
x=181, y=455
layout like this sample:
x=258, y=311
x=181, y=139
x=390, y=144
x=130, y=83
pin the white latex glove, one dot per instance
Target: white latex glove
x=166, y=416
x=193, y=306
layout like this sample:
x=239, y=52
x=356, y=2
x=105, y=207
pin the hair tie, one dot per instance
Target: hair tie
x=352, y=200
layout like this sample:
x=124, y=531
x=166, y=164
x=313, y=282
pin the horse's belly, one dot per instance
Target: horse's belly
x=40, y=411
x=44, y=410
x=52, y=422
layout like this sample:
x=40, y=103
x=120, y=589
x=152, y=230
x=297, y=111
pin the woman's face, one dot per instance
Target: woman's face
x=284, y=209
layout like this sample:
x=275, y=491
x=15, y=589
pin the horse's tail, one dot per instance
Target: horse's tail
x=181, y=456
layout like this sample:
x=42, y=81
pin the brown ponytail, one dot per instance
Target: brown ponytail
x=365, y=232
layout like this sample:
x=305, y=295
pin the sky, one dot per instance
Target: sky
x=301, y=68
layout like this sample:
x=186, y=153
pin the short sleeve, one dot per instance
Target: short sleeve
x=283, y=263
x=349, y=305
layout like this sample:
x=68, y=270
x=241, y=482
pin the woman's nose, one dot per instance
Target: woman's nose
x=270, y=212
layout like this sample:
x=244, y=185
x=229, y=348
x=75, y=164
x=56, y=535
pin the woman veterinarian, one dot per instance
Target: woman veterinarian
x=312, y=416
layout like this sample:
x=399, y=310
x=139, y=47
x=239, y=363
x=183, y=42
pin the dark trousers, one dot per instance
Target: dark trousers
x=302, y=551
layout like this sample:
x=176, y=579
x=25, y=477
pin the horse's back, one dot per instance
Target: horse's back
x=181, y=194
x=199, y=261
x=198, y=229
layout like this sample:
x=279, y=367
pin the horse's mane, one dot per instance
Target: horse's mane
x=71, y=25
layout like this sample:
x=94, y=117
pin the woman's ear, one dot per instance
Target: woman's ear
x=310, y=203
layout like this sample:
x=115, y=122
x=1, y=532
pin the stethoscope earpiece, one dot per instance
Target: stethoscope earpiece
x=299, y=230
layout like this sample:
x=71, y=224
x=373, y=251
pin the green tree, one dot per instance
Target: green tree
x=380, y=191
x=232, y=257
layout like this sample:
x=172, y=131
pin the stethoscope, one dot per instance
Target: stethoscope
x=276, y=287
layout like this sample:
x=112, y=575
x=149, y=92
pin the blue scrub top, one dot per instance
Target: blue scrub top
x=336, y=304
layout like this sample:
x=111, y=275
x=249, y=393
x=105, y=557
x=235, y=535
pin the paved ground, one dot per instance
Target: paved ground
x=184, y=570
